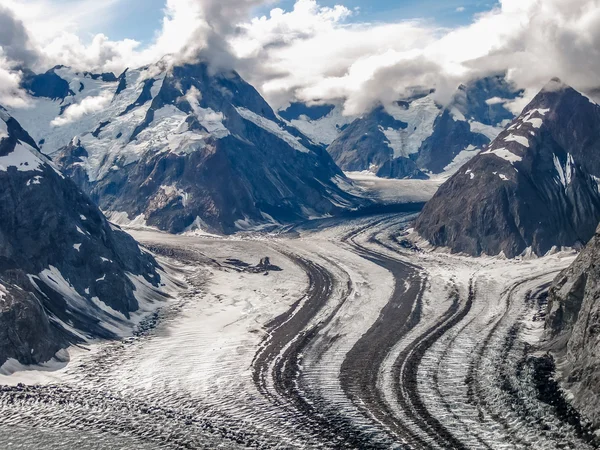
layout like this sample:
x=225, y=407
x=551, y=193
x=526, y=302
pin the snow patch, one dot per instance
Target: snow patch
x=565, y=174
x=536, y=122
x=460, y=160
x=175, y=192
x=23, y=157
x=488, y=131
x=34, y=180
x=198, y=228
x=504, y=154
x=326, y=129
x=107, y=309
x=457, y=116
x=3, y=129
x=32, y=374
x=524, y=141
x=208, y=118
x=122, y=219
x=272, y=128
x=419, y=117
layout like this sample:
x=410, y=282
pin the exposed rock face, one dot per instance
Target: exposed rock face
x=65, y=273
x=483, y=100
x=401, y=168
x=534, y=186
x=47, y=84
x=314, y=112
x=420, y=130
x=573, y=327
x=26, y=333
x=363, y=143
x=182, y=148
x=449, y=138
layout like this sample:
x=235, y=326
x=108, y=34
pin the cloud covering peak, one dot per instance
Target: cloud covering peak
x=314, y=53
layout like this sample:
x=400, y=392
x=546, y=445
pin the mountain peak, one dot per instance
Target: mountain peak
x=500, y=200
x=560, y=98
x=555, y=85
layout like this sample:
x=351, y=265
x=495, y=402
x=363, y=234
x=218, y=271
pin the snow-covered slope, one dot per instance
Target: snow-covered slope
x=536, y=185
x=66, y=274
x=181, y=147
x=416, y=135
x=321, y=123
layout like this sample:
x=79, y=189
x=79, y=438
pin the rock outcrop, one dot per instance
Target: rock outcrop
x=66, y=274
x=573, y=328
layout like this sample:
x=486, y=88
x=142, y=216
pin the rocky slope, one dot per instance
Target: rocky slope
x=182, y=147
x=573, y=325
x=535, y=186
x=66, y=274
x=412, y=136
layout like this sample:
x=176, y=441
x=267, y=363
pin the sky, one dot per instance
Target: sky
x=448, y=13
x=141, y=19
x=358, y=53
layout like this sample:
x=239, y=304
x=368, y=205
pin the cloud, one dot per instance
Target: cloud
x=190, y=29
x=460, y=9
x=552, y=38
x=16, y=52
x=495, y=101
x=10, y=92
x=14, y=40
x=315, y=54
x=86, y=106
x=312, y=54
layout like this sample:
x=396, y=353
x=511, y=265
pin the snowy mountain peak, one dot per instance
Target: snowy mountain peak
x=555, y=84
x=181, y=145
x=534, y=186
x=426, y=137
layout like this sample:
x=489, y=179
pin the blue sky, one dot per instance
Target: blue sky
x=443, y=12
x=139, y=19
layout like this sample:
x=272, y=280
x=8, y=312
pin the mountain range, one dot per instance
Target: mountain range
x=414, y=137
x=182, y=148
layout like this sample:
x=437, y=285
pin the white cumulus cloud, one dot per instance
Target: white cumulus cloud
x=78, y=110
x=315, y=53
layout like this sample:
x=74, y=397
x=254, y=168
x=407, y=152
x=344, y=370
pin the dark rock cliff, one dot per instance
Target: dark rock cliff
x=534, y=186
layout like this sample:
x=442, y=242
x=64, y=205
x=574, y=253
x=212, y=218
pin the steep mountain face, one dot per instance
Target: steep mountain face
x=367, y=144
x=417, y=135
x=572, y=326
x=181, y=148
x=320, y=123
x=535, y=186
x=65, y=273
